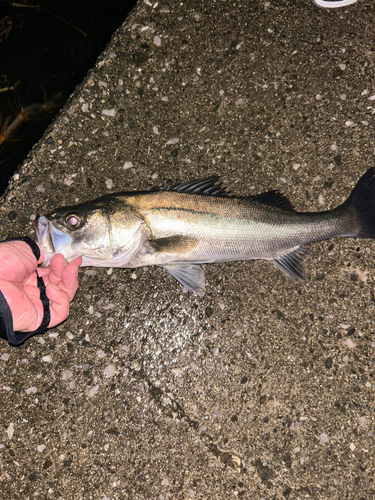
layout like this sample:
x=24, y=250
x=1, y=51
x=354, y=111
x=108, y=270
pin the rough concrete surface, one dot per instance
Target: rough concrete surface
x=261, y=389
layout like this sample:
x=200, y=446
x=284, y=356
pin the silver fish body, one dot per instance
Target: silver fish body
x=196, y=223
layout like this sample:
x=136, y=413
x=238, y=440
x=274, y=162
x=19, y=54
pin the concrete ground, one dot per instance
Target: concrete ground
x=261, y=389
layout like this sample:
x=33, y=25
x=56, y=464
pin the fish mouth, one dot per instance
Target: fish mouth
x=51, y=240
x=43, y=234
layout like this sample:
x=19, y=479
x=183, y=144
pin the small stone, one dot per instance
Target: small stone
x=352, y=446
x=324, y=438
x=337, y=160
x=31, y=390
x=41, y=448
x=127, y=165
x=79, y=135
x=5, y=357
x=136, y=365
x=47, y=359
x=209, y=311
x=349, y=343
x=93, y=391
x=67, y=375
x=175, y=140
x=165, y=482
x=10, y=431
x=12, y=215
x=108, y=112
x=157, y=41
x=110, y=371
x=328, y=363
x=344, y=326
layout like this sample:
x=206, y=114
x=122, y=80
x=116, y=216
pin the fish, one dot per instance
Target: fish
x=199, y=222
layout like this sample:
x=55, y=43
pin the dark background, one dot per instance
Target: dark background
x=46, y=49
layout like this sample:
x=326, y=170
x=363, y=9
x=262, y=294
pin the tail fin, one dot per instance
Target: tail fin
x=362, y=203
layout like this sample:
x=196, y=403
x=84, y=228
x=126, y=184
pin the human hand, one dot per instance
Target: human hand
x=18, y=283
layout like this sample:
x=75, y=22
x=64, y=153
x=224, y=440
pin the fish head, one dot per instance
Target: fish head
x=105, y=232
x=83, y=230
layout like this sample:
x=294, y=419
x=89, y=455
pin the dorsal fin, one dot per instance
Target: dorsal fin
x=275, y=199
x=206, y=186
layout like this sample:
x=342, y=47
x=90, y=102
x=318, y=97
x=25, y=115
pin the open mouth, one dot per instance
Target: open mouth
x=51, y=240
x=43, y=233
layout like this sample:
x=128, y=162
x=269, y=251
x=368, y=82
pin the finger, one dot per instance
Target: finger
x=41, y=258
x=59, y=304
x=43, y=271
x=77, y=261
x=69, y=281
x=58, y=264
x=32, y=291
x=31, y=280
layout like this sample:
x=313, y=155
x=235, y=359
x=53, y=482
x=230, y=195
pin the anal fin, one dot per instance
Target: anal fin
x=191, y=276
x=292, y=264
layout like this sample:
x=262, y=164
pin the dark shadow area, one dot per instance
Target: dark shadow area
x=46, y=49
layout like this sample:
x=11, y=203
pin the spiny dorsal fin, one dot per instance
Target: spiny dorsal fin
x=275, y=199
x=205, y=186
x=292, y=264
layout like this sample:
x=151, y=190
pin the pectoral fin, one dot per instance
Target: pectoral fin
x=191, y=276
x=179, y=245
x=292, y=264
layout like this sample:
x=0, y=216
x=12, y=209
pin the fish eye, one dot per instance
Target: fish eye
x=74, y=221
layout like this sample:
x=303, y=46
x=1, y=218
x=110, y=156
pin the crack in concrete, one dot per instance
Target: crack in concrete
x=175, y=410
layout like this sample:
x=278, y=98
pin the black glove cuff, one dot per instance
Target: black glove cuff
x=34, y=247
